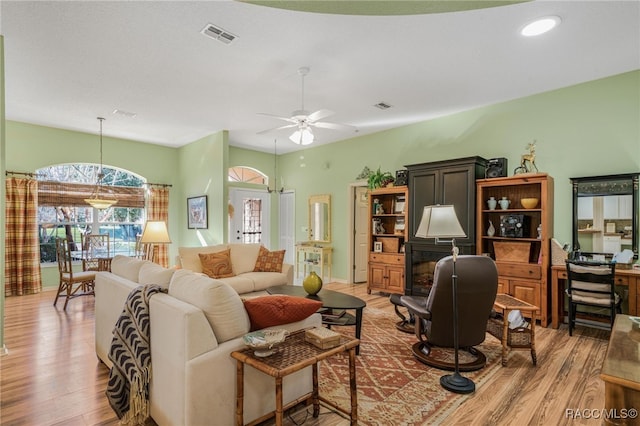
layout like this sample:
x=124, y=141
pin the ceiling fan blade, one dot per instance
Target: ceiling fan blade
x=319, y=115
x=288, y=126
x=334, y=126
x=279, y=117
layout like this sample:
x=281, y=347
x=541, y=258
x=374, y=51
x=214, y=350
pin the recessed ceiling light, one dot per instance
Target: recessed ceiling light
x=540, y=26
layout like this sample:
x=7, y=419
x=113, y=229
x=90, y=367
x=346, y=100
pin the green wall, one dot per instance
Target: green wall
x=2, y=194
x=202, y=170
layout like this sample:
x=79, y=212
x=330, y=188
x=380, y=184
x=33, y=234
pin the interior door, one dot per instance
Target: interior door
x=287, y=225
x=361, y=235
x=250, y=221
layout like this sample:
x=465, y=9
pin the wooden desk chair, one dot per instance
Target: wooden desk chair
x=95, y=247
x=72, y=284
x=592, y=284
x=142, y=250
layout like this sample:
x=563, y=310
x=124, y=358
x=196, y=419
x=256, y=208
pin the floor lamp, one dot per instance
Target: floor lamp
x=441, y=222
x=155, y=233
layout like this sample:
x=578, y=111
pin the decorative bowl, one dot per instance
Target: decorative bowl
x=529, y=203
x=264, y=342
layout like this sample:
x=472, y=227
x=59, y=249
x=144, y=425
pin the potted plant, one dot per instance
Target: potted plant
x=378, y=179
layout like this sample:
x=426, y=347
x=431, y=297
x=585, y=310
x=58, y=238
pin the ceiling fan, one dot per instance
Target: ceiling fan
x=303, y=121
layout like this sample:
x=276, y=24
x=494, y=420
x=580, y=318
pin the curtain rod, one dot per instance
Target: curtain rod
x=7, y=173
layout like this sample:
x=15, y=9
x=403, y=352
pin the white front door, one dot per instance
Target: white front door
x=250, y=220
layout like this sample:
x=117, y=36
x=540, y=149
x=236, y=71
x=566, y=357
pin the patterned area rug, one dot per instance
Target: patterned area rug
x=393, y=387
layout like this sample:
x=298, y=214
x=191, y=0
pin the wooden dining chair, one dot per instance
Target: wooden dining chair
x=592, y=284
x=95, y=248
x=72, y=284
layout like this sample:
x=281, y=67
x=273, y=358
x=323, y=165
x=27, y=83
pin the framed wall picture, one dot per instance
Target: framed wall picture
x=197, y=212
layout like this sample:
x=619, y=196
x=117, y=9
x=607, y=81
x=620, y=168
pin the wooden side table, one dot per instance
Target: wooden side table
x=294, y=355
x=519, y=338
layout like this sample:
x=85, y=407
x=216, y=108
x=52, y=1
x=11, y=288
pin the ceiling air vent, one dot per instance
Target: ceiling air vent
x=218, y=33
x=382, y=105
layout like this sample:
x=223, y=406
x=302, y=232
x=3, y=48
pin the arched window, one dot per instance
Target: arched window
x=247, y=175
x=62, y=211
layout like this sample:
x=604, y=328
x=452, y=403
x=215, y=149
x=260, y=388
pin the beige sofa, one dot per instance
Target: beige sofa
x=243, y=259
x=194, y=328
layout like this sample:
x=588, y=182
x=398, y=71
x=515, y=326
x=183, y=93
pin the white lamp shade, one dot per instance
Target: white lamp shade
x=439, y=222
x=302, y=136
x=155, y=232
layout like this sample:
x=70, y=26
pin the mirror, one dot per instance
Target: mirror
x=320, y=218
x=605, y=214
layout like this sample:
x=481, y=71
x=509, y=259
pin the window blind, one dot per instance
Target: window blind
x=56, y=194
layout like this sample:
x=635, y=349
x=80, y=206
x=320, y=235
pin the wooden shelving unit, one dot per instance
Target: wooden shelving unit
x=387, y=235
x=523, y=261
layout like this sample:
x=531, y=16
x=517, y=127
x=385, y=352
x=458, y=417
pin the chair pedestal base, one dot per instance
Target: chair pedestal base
x=457, y=384
x=422, y=350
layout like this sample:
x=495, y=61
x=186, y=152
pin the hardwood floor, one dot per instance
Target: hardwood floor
x=52, y=376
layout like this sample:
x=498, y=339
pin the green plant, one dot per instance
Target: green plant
x=379, y=179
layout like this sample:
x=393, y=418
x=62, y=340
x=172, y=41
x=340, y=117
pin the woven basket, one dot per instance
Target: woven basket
x=515, y=338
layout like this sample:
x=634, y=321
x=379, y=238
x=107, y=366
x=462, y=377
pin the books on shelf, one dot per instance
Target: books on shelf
x=334, y=316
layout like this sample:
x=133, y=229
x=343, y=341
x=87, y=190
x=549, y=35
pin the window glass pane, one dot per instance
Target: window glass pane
x=122, y=224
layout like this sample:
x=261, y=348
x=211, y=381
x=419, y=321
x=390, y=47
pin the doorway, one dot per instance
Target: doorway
x=251, y=218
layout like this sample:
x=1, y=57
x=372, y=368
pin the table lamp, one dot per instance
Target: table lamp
x=442, y=222
x=155, y=233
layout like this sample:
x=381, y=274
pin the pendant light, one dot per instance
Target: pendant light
x=97, y=200
x=275, y=170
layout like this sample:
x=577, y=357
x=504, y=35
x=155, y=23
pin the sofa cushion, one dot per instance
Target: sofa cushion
x=240, y=283
x=127, y=267
x=152, y=273
x=221, y=305
x=269, y=261
x=243, y=257
x=263, y=280
x=217, y=265
x=268, y=311
x=189, y=258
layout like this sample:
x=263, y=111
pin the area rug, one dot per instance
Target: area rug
x=393, y=387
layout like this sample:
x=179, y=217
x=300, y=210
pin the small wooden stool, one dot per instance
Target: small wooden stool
x=518, y=338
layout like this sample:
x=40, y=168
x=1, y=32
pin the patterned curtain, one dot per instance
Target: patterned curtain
x=158, y=209
x=22, y=247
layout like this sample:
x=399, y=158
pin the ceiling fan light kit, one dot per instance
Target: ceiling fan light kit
x=303, y=121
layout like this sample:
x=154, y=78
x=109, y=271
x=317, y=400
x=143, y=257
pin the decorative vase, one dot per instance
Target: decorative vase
x=312, y=284
x=492, y=203
x=504, y=203
x=491, y=231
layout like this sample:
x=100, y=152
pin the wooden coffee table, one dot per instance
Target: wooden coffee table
x=330, y=300
x=294, y=355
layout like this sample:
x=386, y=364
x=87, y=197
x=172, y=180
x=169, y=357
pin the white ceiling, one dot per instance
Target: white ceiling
x=68, y=62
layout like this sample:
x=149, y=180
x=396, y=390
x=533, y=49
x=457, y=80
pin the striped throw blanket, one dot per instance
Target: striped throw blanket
x=130, y=352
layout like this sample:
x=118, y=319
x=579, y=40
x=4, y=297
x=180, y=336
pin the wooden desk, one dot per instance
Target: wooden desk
x=294, y=355
x=626, y=277
x=621, y=371
x=310, y=254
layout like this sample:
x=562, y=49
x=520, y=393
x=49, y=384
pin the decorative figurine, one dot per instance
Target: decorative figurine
x=529, y=159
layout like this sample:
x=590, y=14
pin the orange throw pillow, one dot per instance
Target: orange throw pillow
x=217, y=265
x=269, y=261
x=268, y=311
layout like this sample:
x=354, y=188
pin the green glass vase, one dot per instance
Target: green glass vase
x=312, y=284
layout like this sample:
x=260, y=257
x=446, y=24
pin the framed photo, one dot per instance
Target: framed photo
x=377, y=246
x=197, y=212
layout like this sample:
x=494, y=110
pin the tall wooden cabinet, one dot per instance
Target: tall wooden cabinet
x=439, y=182
x=388, y=233
x=520, y=241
